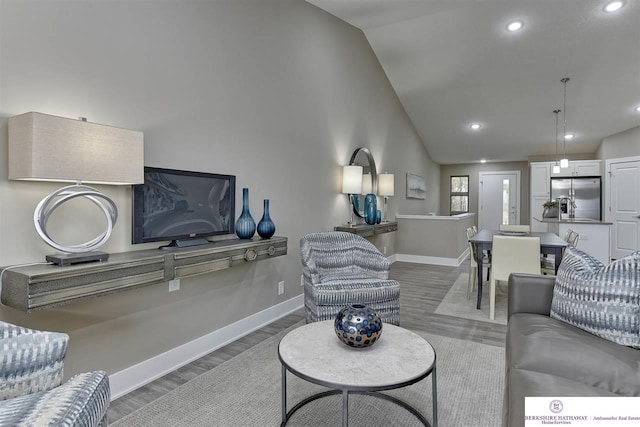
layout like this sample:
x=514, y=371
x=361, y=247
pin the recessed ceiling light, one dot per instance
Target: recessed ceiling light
x=483, y=160
x=637, y=109
x=475, y=126
x=569, y=136
x=515, y=25
x=612, y=6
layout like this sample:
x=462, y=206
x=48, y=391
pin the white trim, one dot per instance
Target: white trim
x=421, y=259
x=439, y=217
x=136, y=376
x=393, y=258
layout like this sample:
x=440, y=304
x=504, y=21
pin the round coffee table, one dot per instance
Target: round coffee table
x=314, y=353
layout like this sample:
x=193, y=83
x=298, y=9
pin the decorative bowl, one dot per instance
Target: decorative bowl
x=358, y=326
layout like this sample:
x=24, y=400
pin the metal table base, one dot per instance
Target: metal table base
x=286, y=415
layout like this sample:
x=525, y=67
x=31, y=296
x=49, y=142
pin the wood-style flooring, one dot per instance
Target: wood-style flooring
x=422, y=288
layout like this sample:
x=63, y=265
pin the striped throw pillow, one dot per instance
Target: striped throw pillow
x=602, y=300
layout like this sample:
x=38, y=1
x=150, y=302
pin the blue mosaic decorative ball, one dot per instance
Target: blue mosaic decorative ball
x=358, y=326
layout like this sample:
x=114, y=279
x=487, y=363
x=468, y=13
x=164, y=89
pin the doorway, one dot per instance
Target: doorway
x=498, y=199
x=623, y=176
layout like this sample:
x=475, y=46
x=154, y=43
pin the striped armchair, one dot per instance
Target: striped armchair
x=31, y=389
x=340, y=269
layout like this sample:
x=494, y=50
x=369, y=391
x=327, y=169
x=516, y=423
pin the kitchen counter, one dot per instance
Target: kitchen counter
x=594, y=235
x=572, y=221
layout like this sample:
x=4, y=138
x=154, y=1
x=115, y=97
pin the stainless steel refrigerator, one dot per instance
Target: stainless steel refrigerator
x=585, y=193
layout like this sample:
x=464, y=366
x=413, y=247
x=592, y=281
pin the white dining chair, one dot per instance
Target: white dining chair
x=572, y=238
x=473, y=262
x=511, y=254
x=515, y=227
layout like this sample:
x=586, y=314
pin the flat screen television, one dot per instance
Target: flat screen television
x=183, y=207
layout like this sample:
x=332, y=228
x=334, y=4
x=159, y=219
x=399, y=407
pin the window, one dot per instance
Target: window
x=459, y=195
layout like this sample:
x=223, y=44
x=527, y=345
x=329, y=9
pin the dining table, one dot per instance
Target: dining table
x=550, y=244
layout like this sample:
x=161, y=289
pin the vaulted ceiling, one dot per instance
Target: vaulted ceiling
x=453, y=63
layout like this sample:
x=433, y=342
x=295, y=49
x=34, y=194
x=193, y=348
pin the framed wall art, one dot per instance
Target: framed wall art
x=416, y=186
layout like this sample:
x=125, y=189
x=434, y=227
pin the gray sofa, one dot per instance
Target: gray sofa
x=547, y=357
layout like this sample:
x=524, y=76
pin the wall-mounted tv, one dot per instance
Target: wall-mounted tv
x=183, y=207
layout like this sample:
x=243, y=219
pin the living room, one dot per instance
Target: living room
x=277, y=93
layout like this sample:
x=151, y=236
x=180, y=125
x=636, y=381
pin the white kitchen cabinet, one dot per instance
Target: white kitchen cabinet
x=539, y=174
x=539, y=178
x=580, y=168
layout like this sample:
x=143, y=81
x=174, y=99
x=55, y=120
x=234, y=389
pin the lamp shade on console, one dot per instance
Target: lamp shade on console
x=351, y=184
x=49, y=148
x=351, y=179
x=43, y=147
x=386, y=184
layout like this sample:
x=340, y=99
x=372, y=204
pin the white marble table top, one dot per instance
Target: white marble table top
x=398, y=357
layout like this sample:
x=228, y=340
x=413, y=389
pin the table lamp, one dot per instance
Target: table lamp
x=351, y=184
x=43, y=147
x=385, y=189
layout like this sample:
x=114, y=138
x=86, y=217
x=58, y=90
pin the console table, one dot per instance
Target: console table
x=41, y=286
x=366, y=230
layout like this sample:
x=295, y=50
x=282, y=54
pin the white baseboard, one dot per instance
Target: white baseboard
x=421, y=259
x=142, y=373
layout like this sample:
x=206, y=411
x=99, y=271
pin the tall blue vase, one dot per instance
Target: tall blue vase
x=266, y=227
x=370, y=209
x=245, y=226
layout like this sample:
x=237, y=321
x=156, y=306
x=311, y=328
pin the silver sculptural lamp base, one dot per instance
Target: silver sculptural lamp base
x=85, y=252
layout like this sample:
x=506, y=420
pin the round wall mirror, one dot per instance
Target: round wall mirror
x=362, y=157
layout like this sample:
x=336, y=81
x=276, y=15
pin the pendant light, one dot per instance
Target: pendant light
x=564, y=162
x=556, y=166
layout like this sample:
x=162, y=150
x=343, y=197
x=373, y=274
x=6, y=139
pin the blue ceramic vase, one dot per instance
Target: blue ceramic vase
x=370, y=209
x=378, y=216
x=266, y=227
x=245, y=226
x=358, y=325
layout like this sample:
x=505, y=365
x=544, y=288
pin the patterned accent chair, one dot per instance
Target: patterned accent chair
x=31, y=389
x=340, y=269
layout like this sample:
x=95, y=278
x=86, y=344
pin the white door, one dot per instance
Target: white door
x=499, y=199
x=624, y=207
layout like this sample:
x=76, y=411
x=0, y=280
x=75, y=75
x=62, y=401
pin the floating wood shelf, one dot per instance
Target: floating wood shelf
x=366, y=230
x=36, y=287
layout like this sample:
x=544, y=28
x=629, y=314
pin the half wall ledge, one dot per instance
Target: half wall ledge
x=432, y=239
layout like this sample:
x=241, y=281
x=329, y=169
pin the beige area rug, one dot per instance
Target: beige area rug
x=246, y=392
x=456, y=303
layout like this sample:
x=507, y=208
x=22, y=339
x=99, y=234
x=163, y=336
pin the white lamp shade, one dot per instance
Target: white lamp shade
x=366, y=183
x=49, y=148
x=564, y=163
x=352, y=179
x=386, y=184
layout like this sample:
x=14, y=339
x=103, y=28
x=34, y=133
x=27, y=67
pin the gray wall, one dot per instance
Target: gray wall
x=623, y=144
x=473, y=170
x=278, y=93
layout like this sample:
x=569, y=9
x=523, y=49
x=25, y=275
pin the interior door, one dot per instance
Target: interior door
x=499, y=199
x=624, y=208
